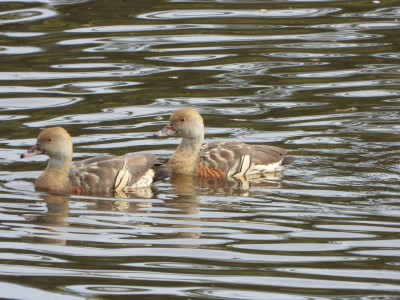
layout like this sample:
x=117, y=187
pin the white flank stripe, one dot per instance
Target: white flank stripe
x=122, y=178
x=232, y=170
x=243, y=166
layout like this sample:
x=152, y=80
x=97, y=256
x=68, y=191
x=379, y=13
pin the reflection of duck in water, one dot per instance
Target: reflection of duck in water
x=56, y=216
x=185, y=186
x=96, y=175
x=218, y=160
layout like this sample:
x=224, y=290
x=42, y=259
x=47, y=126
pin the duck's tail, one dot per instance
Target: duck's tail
x=288, y=160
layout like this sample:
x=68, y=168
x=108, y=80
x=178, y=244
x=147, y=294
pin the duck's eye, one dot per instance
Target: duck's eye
x=49, y=139
x=182, y=120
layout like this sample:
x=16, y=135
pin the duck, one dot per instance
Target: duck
x=220, y=159
x=95, y=175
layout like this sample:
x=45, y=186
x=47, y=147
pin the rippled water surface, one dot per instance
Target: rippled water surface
x=319, y=78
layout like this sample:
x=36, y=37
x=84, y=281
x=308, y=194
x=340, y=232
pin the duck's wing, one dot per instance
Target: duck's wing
x=235, y=159
x=109, y=172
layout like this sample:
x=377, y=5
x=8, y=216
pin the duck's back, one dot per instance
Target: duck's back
x=109, y=173
x=236, y=159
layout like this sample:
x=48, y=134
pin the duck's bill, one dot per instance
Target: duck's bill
x=167, y=130
x=35, y=150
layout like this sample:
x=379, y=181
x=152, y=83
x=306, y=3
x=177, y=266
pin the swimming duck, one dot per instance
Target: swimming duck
x=217, y=160
x=91, y=176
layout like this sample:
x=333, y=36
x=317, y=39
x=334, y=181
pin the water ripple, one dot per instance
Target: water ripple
x=137, y=71
x=35, y=102
x=25, y=15
x=215, y=13
x=144, y=43
x=149, y=27
x=9, y=50
x=387, y=12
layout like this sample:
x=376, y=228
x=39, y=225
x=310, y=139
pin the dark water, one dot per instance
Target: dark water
x=320, y=78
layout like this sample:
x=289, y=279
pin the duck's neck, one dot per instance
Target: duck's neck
x=55, y=177
x=185, y=158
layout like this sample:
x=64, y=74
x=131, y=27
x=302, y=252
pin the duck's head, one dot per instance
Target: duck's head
x=54, y=142
x=186, y=122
